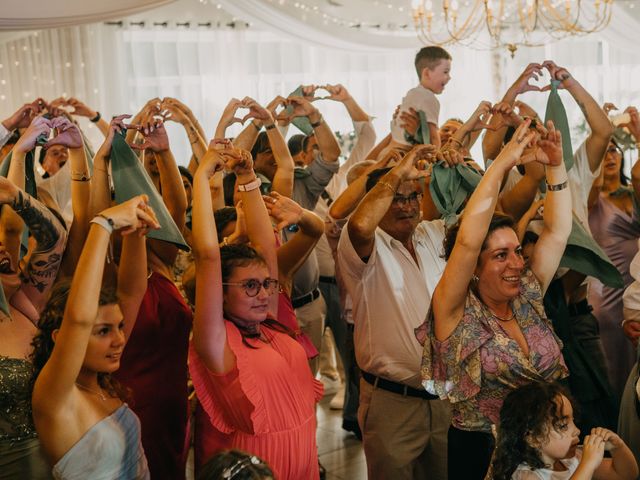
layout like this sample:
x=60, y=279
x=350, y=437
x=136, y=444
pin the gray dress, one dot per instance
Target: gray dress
x=110, y=450
x=617, y=233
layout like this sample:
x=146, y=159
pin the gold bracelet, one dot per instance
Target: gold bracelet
x=388, y=185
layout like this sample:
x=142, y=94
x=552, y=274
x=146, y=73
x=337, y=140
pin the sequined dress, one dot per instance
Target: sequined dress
x=20, y=454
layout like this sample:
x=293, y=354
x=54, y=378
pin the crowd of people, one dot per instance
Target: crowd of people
x=485, y=312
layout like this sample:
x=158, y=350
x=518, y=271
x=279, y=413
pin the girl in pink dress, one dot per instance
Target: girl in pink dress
x=250, y=375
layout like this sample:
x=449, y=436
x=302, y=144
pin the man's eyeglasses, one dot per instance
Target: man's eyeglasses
x=252, y=286
x=401, y=200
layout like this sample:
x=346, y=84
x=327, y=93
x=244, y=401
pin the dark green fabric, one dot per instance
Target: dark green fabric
x=450, y=187
x=583, y=354
x=29, y=172
x=557, y=113
x=585, y=256
x=303, y=123
x=423, y=135
x=131, y=179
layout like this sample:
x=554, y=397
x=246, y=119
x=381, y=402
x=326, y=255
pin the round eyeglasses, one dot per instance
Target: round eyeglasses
x=252, y=286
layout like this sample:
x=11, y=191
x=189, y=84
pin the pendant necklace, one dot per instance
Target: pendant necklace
x=95, y=392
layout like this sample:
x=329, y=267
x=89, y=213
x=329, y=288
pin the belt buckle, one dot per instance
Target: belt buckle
x=405, y=390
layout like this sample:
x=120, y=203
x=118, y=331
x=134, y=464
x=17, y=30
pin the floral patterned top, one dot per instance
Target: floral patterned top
x=477, y=366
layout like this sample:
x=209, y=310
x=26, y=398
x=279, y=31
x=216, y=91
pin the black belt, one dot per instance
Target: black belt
x=580, y=308
x=303, y=300
x=324, y=279
x=399, y=388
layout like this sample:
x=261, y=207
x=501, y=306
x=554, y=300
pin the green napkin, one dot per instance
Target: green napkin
x=29, y=172
x=131, y=179
x=303, y=123
x=450, y=187
x=557, y=113
x=585, y=256
x=423, y=135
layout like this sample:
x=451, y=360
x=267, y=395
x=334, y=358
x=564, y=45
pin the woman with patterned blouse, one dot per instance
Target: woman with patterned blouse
x=488, y=332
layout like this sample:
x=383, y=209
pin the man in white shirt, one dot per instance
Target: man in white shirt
x=390, y=263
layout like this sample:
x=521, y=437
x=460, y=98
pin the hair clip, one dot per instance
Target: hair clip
x=230, y=472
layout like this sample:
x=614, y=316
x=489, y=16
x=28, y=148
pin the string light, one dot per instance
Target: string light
x=327, y=17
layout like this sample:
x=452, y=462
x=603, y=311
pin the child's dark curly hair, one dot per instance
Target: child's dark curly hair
x=51, y=319
x=526, y=414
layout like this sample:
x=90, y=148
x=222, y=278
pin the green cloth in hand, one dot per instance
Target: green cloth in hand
x=131, y=179
x=450, y=187
x=585, y=256
x=303, y=123
x=557, y=113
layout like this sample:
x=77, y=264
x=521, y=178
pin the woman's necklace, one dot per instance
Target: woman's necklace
x=95, y=392
x=508, y=319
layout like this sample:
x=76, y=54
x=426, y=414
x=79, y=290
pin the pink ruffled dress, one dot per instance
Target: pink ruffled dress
x=265, y=405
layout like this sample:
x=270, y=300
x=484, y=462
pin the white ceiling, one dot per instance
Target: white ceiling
x=386, y=17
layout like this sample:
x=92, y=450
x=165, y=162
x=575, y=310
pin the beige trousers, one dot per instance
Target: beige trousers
x=404, y=437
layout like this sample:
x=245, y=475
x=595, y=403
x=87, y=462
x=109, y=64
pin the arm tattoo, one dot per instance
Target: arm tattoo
x=44, y=226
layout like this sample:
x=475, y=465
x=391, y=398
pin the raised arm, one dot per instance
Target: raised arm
x=348, y=200
x=283, y=177
x=327, y=143
x=258, y=225
x=293, y=253
x=517, y=200
x=175, y=111
x=365, y=219
x=467, y=134
x=145, y=115
x=56, y=381
x=228, y=118
x=557, y=211
x=366, y=135
x=209, y=333
x=450, y=293
x=82, y=110
x=503, y=115
x=601, y=128
x=132, y=279
x=11, y=224
x=21, y=118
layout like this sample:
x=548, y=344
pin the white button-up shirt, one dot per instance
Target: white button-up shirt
x=391, y=295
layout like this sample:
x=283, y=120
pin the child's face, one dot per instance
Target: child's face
x=436, y=78
x=563, y=438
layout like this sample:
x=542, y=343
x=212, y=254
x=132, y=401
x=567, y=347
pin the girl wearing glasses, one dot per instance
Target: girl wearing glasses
x=251, y=377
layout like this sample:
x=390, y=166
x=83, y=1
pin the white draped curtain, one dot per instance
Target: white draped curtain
x=116, y=70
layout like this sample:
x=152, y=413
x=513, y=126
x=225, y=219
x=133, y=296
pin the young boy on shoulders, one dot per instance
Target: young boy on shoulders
x=433, y=66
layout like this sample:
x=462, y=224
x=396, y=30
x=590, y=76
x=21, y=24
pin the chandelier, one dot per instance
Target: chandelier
x=507, y=23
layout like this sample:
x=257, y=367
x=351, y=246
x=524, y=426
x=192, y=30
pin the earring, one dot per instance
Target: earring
x=474, y=278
